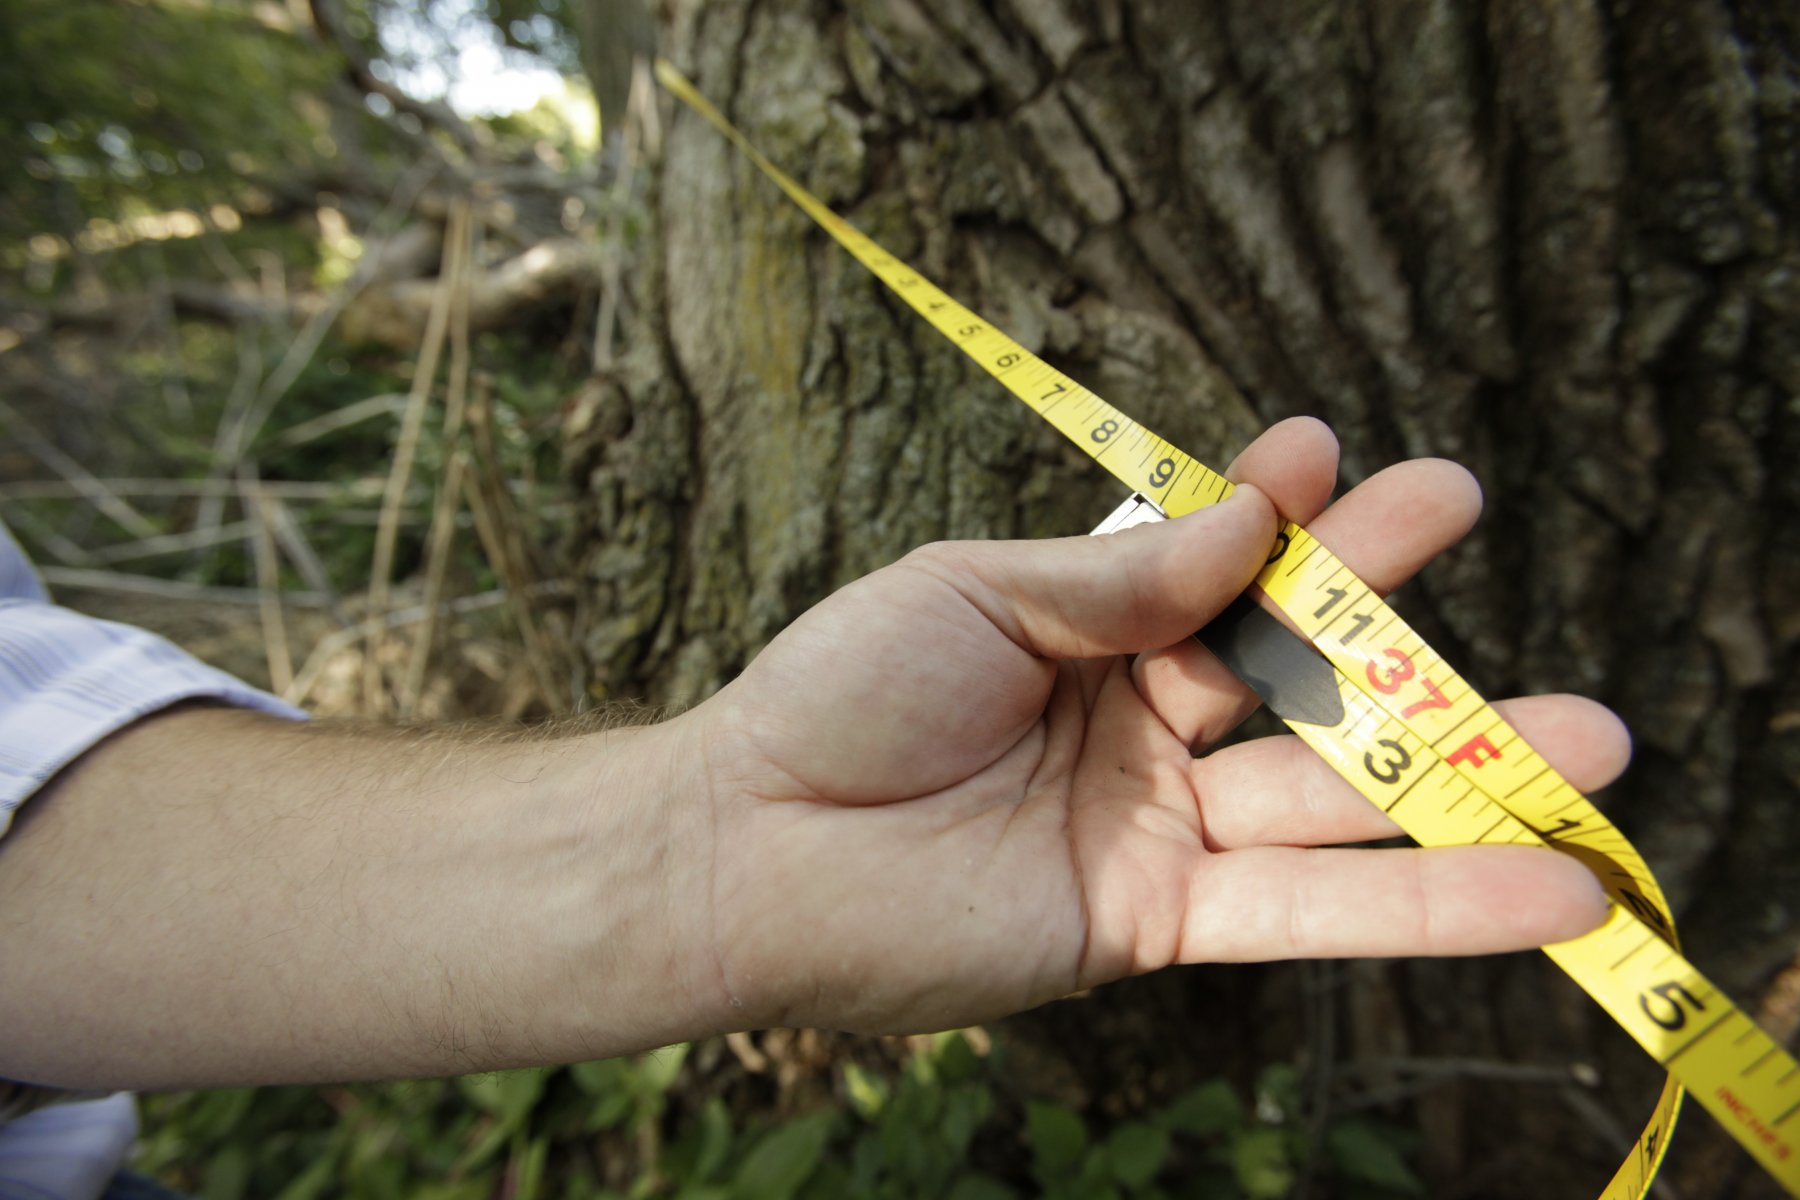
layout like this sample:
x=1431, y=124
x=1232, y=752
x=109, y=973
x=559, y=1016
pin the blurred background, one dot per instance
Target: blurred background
x=417, y=359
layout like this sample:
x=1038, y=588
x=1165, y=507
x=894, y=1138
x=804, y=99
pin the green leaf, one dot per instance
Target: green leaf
x=867, y=1092
x=1096, y=1179
x=975, y=1186
x=1057, y=1136
x=507, y=1094
x=1359, y=1150
x=1137, y=1152
x=520, y=1091
x=228, y=1175
x=867, y=1160
x=1259, y=1159
x=966, y=1109
x=610, y=1081
x=233, y=1106
x=493, y=1136
x=611, y=1110
x=528, y=1168
x=312, y=1182
x=376, y=1175
x=657, y=1070
x=463, y=1189
x=784, y=1158
x=956, y=1059
x=829, y=1182
x=1206, y=1111
x=602, y=1077
x=715, y=1139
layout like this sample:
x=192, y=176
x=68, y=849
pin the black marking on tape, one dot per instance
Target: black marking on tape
x=1293, y=679
x=1429, y=767
x=1444, y=735
x=1702, y=1035
x=1527, y=783
x=1310, y=555
x=1647, y=940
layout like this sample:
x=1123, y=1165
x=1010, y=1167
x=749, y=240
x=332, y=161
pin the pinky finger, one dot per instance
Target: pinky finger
x=1274, y=902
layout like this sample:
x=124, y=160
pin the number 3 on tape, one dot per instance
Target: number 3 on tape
x=1392, y=717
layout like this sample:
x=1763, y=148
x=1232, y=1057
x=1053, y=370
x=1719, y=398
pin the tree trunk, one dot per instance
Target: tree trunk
x=1556, y=242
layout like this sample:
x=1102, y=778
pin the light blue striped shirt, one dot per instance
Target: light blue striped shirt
x=66, y=682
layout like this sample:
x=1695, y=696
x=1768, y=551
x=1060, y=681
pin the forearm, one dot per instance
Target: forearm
x=214, y=897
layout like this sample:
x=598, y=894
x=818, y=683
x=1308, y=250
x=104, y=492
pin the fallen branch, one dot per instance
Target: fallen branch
x=78, y=476
x=268, y=582
x=169, y=589
x=449, y=495
x=412, y=424
x=343, y=639
x=396, y=314
x=170, y=543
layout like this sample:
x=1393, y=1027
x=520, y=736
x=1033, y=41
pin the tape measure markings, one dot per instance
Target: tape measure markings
x=1386, y=680
x=1389, y=687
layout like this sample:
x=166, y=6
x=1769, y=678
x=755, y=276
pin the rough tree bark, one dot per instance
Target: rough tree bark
x=1556, y=242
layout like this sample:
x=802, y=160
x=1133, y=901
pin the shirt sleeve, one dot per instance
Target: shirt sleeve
x=68, y=680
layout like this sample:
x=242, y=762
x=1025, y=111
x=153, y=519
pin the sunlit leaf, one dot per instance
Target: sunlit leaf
x=1260, y=1160
x=867, y=1092
x=657, y=1070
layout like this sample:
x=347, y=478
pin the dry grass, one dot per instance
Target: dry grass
x=125, y=534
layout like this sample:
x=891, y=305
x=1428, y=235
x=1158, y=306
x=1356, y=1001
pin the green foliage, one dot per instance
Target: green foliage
x=139, y=120
x=629, y=1092
x=1365, y=1152
x=147, y=106
x=1136, y=1153
x=917, y=1130
x=1207, y=1111
x=783, y=1159
x=651, y=1126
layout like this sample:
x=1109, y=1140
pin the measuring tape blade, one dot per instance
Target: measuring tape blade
x=1393, y=719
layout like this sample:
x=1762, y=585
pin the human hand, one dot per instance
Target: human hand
x=948, y=792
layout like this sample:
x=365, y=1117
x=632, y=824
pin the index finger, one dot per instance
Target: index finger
x=1384, y=530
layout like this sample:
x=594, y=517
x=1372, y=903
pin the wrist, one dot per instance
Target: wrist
x=627, y=893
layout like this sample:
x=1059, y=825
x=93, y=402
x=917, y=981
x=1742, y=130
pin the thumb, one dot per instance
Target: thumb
x=1139, y=589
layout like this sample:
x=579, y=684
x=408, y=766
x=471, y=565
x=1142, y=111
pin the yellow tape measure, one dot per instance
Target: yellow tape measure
x=1417, y=740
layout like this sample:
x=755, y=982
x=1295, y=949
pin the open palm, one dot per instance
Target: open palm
x=966, y=784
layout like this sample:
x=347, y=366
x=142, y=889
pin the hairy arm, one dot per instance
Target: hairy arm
x=956, y=788
x=213, y=896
